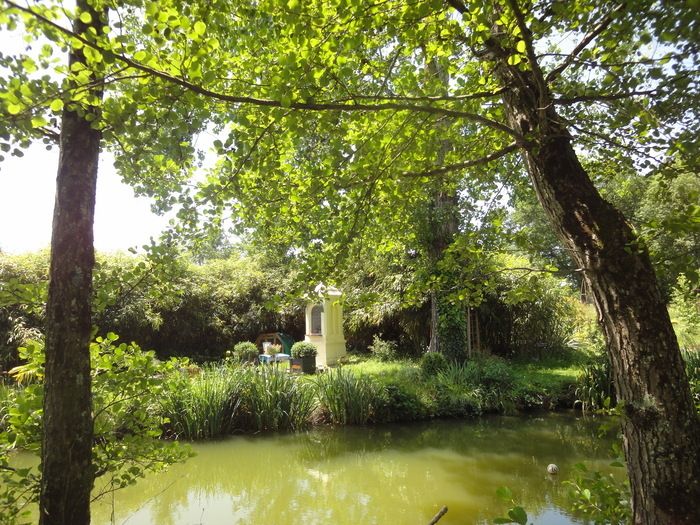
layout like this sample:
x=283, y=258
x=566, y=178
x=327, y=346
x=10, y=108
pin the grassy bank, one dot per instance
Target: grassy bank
x=225, y=399
x=222, y=399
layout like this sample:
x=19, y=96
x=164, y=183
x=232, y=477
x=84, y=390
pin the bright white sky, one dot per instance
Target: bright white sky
x=27, y=187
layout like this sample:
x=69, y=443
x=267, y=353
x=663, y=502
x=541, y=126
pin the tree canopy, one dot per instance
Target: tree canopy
x=330, y=131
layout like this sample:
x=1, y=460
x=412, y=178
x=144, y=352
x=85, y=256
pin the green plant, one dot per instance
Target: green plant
x=383, y=350
x=594, y=385
x=245, y=351
x=600, y=497
x=273, y=349
x=516, y=514
x=484, y=384
x=303, y=349
x=348, y=399
x=203, y=406
x=455, y=393
x=272, y=400
x=431, y=363
x=401, y=402
x=685, y=313
x=7, y=395
x=126, y=390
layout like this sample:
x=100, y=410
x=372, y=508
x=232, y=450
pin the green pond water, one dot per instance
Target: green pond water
x=392, y=474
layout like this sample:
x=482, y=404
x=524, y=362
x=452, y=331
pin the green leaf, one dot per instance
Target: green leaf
x=56, y=105
x=518, y=515
x=521, y=46
x=200, y=27
x=14, y=109
x=504, y=493
x=85, y=17
x=39, y=122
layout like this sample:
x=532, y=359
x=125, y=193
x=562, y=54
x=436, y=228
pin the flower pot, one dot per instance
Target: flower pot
x=308, y=364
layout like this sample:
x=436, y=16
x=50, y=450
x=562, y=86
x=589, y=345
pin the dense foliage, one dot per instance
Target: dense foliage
x=304, y=349
x=336, y=124
x=127, y=390
x=165, y=302
x=201, y=311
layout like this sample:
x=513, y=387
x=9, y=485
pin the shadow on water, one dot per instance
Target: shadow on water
x=392, y=474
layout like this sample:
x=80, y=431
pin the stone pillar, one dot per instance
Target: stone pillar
x=324, y=325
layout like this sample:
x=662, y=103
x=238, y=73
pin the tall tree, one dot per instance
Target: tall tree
x=66, y=464
x=367, y=166
x=335, y=135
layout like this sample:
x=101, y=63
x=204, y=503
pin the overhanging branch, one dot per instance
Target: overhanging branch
x=463, y=165
x=306, y=106
x=597, y=30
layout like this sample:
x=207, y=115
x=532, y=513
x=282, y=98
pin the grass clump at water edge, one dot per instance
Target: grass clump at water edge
x=203, y=406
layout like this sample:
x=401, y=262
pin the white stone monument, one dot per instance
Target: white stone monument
x=324, y=325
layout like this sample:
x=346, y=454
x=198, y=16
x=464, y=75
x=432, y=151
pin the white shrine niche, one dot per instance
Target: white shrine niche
x=324, y=325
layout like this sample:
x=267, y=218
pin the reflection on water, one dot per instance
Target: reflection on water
x=397, y=474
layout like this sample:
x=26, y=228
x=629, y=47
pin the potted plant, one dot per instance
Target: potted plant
x=244, y=352
x=306, y=352
x=273, y=349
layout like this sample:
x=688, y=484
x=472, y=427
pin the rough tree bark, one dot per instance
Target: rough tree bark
x=447, y=330
x=66, y=459
x=661, y=430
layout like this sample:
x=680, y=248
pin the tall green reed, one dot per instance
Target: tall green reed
x=348, y=399
x=203, y=406
x=272, y=399
x=594, y=385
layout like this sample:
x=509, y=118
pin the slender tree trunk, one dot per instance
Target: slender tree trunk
x=660, y=426
x=447, y=330
x=66, y=459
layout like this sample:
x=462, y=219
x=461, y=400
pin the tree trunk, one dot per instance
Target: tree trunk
x=660, y=426
x=66, y=458
x=447, y=330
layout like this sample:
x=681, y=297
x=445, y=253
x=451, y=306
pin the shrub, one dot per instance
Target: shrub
x=383, y=350
x=126, y=388
x=431, y=363
x=599, y=497
x=401, y=403
x=492, y=373
x=303, y=349
x=7, y=399
x=348, y=399
x=245, y=352
x=527, y=317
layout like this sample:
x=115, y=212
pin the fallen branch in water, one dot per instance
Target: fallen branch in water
x=437, y=516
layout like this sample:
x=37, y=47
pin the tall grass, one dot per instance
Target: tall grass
x=594, y=386
x=348, y=399
x=203, y=406
x=481, y=385
x=272, y=399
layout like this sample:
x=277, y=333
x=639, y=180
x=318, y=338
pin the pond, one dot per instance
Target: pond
x=390, y=474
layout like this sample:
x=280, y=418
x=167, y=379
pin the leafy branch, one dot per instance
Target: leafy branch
x=272, y=103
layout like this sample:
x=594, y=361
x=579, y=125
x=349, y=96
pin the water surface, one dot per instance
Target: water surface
x=392, y=474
